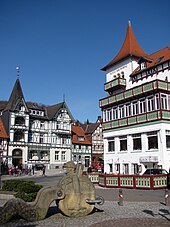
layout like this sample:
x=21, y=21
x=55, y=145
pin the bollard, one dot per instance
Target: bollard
x=120, y=197
x=166, y=197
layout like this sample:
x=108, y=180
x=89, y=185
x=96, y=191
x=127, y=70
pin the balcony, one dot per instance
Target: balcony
x=141, y=118
x=134, y=92
x=115, y=84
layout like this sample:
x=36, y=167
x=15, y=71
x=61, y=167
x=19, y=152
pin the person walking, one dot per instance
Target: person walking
x=43, y=171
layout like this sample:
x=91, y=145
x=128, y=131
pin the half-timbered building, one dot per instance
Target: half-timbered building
x=38, y=133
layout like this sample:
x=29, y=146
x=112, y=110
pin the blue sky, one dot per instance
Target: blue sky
x=61, y=45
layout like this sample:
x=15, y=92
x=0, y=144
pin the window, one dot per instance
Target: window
x=142, y=105
x=164, y=102
x=117, y=168
x=157, y=102
x=30, y=137
x=167, y=139
x=21, y=107
x=135, y=168
x=111, y=146
x=63, y=155
x=122, y=75
x=121, y=111
x=152, y=140
x=80, y=138
x=115, y=114
x=19, y=121
x=126, y=168
x=63, y=140
x=123, y=143
x=57, y=156
x=74, y=158
x=150, y=103
x=137, y=142
x=143, y=65
x=79, y=158
x=104, y=115
x=135, y=107
x=109, y=114
x=18, y=136
x=42, y=124
x=41, y=138
x=128, y=110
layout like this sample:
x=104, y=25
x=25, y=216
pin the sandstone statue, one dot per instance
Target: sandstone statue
x=74, y=195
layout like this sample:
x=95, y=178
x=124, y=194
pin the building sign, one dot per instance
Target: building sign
x=148, y=159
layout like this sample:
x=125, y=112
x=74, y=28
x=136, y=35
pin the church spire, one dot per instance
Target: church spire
x=129, y=48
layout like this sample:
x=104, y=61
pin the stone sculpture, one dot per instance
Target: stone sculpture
x=74, y=195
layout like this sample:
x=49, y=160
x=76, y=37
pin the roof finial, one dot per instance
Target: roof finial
x=129, y=23
x=18, y=71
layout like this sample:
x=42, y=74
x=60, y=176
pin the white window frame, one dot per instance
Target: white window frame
x=164, y=102
x=142, y=105
x=57, y=156
x=128, y=109
x=151, y=103
x=135, y=107
x=121, y=111
x=115, y=113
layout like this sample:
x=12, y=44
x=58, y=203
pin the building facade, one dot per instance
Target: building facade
x=94, y=133
x=38, y=133
x=136, y=111
x=4, y=140
x=81, y=146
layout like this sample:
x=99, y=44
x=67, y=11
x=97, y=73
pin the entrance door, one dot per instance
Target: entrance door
x=17, y=157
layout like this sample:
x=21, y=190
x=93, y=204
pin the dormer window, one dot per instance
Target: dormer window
x=21, y=107
x=80, y=138
x=143, y=65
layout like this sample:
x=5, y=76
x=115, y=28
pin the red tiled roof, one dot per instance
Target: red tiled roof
x=158, y=57
x=130, y=47
x=77, y=132
x=3, y=133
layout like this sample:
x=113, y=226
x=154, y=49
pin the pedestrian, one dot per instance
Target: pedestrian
x=33, y=169
x=43, y=170
x=29, y=171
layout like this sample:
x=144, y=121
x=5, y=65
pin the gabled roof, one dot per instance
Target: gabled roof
x=3, y=104
x=3, y=133
x=78, y=132
x=158, y=57
x=129, y=48
x=53, y=110
x=90, y=128
x=16, y=96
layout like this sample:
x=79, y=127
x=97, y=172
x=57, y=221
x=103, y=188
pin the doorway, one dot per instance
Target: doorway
x=17, y=157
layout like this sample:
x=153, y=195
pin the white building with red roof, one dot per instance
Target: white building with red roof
x=81, y=146
x=136, y=111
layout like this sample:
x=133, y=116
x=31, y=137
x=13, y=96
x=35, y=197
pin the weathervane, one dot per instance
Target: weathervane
x=18, y=71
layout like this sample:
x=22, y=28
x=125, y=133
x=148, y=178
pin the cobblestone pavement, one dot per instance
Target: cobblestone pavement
x=109, y=214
